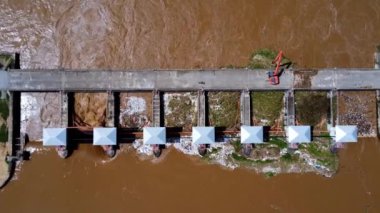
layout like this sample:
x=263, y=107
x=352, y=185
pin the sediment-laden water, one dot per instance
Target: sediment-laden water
x=184, y=34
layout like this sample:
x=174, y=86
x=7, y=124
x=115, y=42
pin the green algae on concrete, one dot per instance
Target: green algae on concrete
x=224, y=109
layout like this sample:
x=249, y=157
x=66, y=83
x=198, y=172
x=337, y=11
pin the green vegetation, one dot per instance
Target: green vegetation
x=269, y=174
x=241, y=158
x=290, y=158
x=208, y=154
x=311, y=107
x=267, y=107
x=224, y=109
x=5, y=61
x=4, y=111
x=262, y=59
x=321, y=151
x=3, y=133
x=237, y=145
x=280, y=143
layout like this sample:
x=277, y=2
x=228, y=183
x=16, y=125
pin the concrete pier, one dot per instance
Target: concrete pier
x=64, y=109
x=289, y=118
x=332, y=113
x=245, y=108
x=3, y=94
x=157, y=117
x=202, y=108
x=377, y=58
x=110, y=112
x=10, y=126
x=14, y=135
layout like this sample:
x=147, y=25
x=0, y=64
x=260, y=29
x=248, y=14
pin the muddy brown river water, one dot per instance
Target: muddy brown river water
x=188, y=34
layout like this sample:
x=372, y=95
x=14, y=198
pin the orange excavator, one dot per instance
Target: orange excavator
x=273, y=76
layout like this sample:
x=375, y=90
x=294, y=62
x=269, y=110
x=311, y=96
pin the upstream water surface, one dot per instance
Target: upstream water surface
x=188, y=34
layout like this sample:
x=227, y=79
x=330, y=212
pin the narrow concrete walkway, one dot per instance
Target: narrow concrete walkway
x=186, y=80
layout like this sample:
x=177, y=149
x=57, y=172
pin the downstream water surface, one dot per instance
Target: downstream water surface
x=188, y=34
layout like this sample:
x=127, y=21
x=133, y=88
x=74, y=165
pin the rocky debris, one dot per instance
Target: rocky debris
x=142, y=149
x=181, y=110
x=135, y=109
x=358, y=109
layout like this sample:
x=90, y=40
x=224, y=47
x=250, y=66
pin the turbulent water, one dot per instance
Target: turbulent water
x=122, y=34
x=186, y=34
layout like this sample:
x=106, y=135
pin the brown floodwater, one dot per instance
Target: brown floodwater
x=87, y=181
x=123, y=34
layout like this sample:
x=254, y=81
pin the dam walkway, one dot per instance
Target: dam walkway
x=187, y=80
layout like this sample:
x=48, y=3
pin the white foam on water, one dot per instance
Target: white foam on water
x=135, y=105
x=141, y=148
x=29, y=109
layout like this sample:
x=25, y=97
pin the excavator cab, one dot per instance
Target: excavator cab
x=273, y=79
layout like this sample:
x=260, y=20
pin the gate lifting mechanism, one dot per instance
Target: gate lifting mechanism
x=273, y=76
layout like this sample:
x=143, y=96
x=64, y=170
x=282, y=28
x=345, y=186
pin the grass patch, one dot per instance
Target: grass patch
x=262, y=59
x=269, y=174
x=289, y=158
x=213, y=151
x=238, y=157
x=280, y=143
x=321, y=152
x=224, y=109
x=4, y=110
x=3, y=134
x=267, y=107
x=237, y=145
x=6, y=61
x=311, y=107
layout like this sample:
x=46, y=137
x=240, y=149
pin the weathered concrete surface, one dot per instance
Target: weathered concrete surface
x=225, y=79
x=185, y=80
x=3, y=80
x=245, y=108
x=346, y=79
